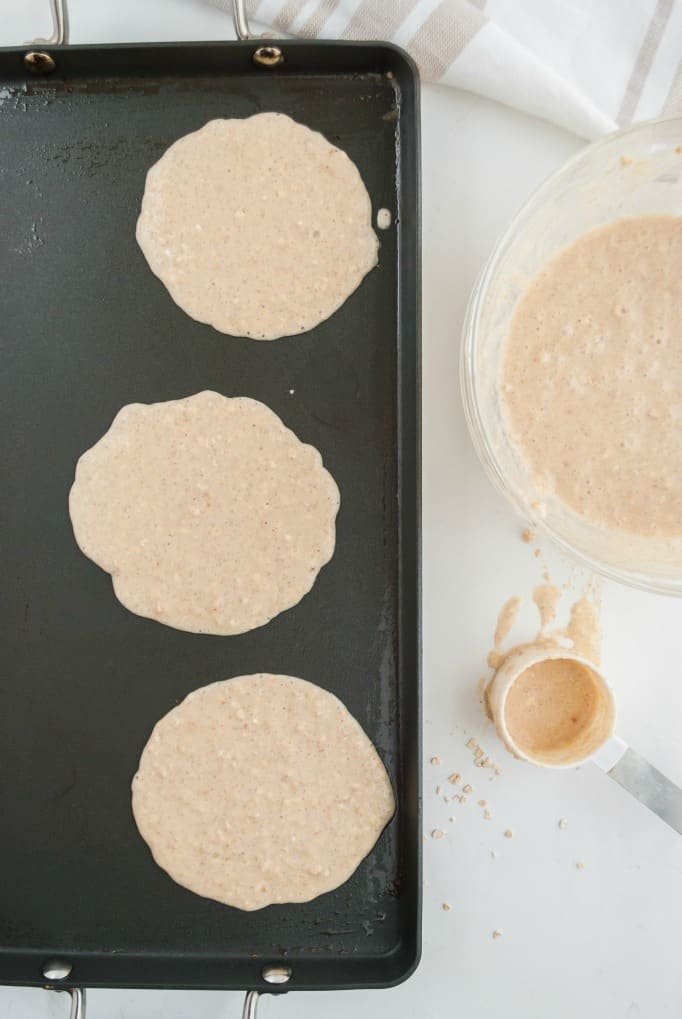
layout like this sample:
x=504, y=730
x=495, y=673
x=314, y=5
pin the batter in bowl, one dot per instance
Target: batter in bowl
x=592, y=375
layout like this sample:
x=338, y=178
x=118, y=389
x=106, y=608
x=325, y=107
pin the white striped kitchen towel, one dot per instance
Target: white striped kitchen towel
x=587, y=65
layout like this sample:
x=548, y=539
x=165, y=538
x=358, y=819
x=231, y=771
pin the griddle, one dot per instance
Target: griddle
x=86, y=328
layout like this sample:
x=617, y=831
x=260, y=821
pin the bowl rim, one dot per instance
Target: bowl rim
x=472, y=413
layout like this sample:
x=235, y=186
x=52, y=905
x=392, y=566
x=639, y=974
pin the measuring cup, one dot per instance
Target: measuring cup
x=595, y=742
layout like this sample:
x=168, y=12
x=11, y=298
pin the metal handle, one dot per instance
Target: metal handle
x=77, y=1010
x=42, y=63
x=38, y=61
x=241, y=27
x=250, y=1005
x=631, y=771
x=60, y=26
x=265, y=56
x=78, y=1002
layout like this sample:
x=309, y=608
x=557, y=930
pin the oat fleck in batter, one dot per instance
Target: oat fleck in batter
x=592, y=376
x=259, y=227
x=208, y=513
x=260, y=789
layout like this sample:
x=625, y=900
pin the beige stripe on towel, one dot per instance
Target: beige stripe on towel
x=288, y=14
x=315, y=23
x=378, y=19
x=442, y=37
x=644, y=61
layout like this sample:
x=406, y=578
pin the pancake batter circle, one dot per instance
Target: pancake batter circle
x=260, y=789
x=259, y=227
x=210, y=515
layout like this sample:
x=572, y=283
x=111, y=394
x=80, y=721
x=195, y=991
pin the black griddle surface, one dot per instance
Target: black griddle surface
x=87, y=328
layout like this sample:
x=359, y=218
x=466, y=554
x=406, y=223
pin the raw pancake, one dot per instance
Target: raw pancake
x=260, y=789
x=259, y=227
x=209, y=514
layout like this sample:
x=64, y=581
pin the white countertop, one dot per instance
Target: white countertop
x=602, y=942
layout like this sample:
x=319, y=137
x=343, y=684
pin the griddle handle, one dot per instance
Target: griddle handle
x=241, y=27
x=250, y=1005
x=60, y=22
x=78, y=1002
x=60, y=30
x=269, y=56
x=77, y=1010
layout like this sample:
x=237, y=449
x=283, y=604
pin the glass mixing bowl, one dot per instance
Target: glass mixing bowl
x=633, y=172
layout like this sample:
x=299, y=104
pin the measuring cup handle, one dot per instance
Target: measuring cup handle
x=647, y=784
x=610, y=753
